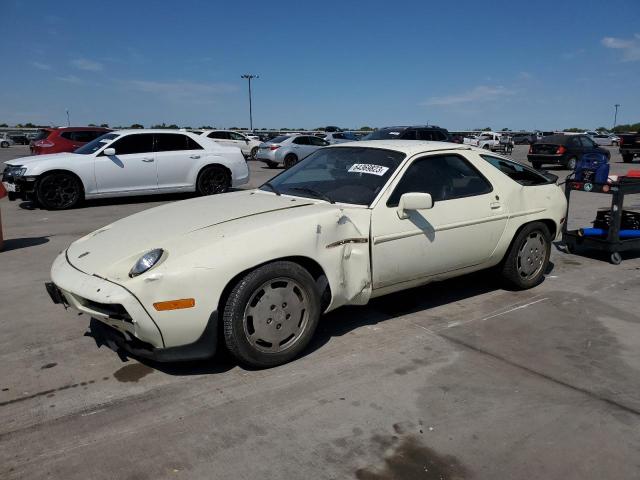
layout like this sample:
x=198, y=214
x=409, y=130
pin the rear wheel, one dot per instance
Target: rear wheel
x=58, y=191
x=528, y=256
x=271, y=314
x=213, y=180
x=4, y=145
x=290, y=160
x=614, y=144
x=254, y=152
x=487, y=147
x=627, y=158
x=571, y=163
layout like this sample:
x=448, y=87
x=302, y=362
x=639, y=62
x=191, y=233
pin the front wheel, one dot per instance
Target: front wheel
x=4, y=145
x=290, y=160
x=58, y=191
x=254, y=152
x=528, y=256
x=571, y=163
x=213, y=180
x=271, y=314
x=614, y=144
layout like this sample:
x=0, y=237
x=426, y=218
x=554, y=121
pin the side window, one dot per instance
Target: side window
x=445, y=177
x=339, y=136
x=236, y=136
x=575, y=142
x=134, y=143
x=218, y=135
x=170, y=142
x=301, y=141
x=192, y=144
x=425, y=135
x=67, y=135
x=409, y=135
x=587, y=142
x=318, y=142
x=516, y=172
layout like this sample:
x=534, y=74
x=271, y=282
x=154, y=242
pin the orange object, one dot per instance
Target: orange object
x=633, y=173
x=174, y=304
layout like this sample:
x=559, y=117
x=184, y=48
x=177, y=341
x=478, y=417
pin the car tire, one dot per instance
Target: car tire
x=286, y=298
x=528, y=256
x=627, y=158
x=59, y=191
x=254, y=152
x=536, y=165
x=290, y=160
x=614, y=144
x=572, y=163
x=487, y=147
x=4, y=145
x=272, y=164
x=213, y=180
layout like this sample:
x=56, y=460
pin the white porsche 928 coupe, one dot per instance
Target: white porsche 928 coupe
x=349, y=223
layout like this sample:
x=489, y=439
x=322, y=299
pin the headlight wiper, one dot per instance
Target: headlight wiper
x=274, y=189
x=315, y=193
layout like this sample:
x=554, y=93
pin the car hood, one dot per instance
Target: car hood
x=127, y=239
x=37, y=159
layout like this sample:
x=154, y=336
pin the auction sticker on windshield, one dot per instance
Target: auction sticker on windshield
x=368, y=168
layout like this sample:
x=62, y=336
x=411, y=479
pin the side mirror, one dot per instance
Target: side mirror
x=413, y=201
x=246, y=140
x=109, y=152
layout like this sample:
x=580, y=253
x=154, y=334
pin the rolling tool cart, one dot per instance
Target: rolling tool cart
x=615, y=230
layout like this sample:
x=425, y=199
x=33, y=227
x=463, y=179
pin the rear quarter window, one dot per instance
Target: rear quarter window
x=516, y=172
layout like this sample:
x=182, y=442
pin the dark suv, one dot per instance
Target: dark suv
x=429, y=132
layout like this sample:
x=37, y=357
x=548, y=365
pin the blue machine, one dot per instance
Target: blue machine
x=593, y=168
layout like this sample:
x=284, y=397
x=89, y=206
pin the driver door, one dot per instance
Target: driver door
x=461, y=230
x=131, y=169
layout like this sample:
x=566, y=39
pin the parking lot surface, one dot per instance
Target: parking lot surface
x=460, y=379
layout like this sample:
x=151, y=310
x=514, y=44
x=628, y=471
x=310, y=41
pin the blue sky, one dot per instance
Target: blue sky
x=461, y=65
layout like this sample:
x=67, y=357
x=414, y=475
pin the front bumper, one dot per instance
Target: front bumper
x=123, y=322
x=22, y=188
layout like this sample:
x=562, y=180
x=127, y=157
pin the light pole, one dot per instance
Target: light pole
x=250, y=77
x=68, y=121
x=615, y=116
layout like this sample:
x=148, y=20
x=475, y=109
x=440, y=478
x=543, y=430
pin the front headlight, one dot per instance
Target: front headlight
x=17, y=171
x=146, y=262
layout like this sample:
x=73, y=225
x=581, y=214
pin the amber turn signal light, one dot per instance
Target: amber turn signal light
x=174, y=304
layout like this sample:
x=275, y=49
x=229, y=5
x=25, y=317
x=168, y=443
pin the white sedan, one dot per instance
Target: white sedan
x=248, y=145
x=349, y=223
x=124, y=163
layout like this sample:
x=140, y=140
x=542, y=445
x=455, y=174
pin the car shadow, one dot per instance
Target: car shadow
x=24, y=242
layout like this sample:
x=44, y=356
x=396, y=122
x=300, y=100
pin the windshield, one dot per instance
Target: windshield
x=384, y=134
x=341, y=174
x=97, y=144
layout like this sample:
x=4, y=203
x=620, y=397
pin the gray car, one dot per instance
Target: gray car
x=340, y=137
x=288, y=149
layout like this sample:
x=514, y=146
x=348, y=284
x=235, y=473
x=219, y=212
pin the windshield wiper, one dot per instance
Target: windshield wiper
x=274, y=189
x=313, y=192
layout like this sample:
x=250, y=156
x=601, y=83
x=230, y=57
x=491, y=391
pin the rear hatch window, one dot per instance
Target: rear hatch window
x=41, y=135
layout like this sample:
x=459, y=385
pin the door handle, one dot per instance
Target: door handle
x=194, y=156
x=147, y=160
x=495, y=205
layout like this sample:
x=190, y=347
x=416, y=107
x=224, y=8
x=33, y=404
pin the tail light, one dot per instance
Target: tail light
x=621, y=141
x=561, y=149
x=530, y=148
x=274, y=147
x=43, y=143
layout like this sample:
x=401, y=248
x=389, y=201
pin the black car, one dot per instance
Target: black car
x=428, y=132
x=523, y=138
x=19, y=139
x=563, y=150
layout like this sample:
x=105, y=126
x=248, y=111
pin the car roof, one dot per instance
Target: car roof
x=68, y=129
x=409, y=147
x=152, y=130
x=398, y=127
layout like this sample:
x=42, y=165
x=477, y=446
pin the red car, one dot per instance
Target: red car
x=64, y=139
